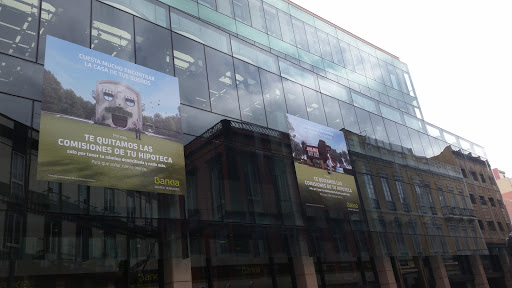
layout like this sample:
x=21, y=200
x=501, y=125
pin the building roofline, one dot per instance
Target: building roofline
x=338, y=27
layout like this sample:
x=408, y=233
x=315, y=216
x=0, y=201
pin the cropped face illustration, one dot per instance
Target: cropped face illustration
x=117, y=104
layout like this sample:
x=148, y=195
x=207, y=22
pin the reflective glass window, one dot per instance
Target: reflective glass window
x=70, y=22
x=365, y=124
x=20, y=77
x=365, y=103
x=242, y=12
x=380, y=130
x=413, y=122
x=450, y=138
x=252, y=107
x=405, y=139
x=190, y=125
x=313, y=44
x=154, y=47
x=272, y=20
x=255, y=56
x=275, y=104
x=393, y=77
x=150, y=10
x=349, y=117
x=417, y=146
x=18, y=28
x=347, y=57
x=221, y=83
x=332, y=112
x=298, y=74
x=225, y=7
x=300, y=34
x=358, y=61
x=365, y=57
x=385, y=73
x=294, y=99
x=432, y=131
x=285, y=22
x=208, y=3
x=16, y=108
x=409, y=84
x=257, y=15
x=334, y=89
x=393, y=136
x=190, y=69
x=336, y=50
x=314, y=106
x=324, y=47
x=199, y=31
x=391, y=113
x=112, y=32
x=427, y=148
x=377, y=73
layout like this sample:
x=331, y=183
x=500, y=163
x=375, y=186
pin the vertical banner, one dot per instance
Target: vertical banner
x=322, y=166
x=108, y=122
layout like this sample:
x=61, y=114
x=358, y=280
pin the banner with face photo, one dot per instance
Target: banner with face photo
x=108, y=122
x=322, y=165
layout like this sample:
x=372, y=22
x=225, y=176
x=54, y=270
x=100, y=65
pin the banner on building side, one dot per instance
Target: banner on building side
x=322, y=166
x=108, y=122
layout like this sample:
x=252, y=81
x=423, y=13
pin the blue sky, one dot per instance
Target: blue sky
x=309, y=132
x=62, y=59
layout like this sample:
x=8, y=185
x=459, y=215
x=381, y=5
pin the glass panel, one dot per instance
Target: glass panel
x=332, y=112
x=432, y=131
x=365, y=103
x=334, y=89
x=217, y=18
x=184, y=5
x=283, y=47
x=405, y=139
x=349, y=117
x=223, y=95
x=200, y=32
x=193, y=127
x=249, y=93
x=20, y=77
x=294, y=99
x=257, y=15
x=377, y=73
x=409, y=84
x=154, y=47
x=347, y=57
x=242, y=12
x=298, y=74
x=413, y=122
x=358, y=62
x=429, y=152
x=70, y=22
x=225, y=7
x=393, y=136
x=313, y=44
x=300, y=34
x=18, y=28
x=286, y=27
x=255, y=56
x=274, y=100
x=365, y=124
x=385, y=73
x=367, y=65
x=208, y=3
x=272, y=21
x=190, y=69
x=16, y=108
x=450, y=138
x=336, y=50
x=391, y=113
x=380, y=131
x=417, y=146
x=150, y=10
x=314, y=106
x=252, y=34
x=324, y=48
x=112, y=32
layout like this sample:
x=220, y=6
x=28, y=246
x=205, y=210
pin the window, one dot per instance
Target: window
x=53, y=237
x=153, y=46
x=500, y=203
x=110, y=247
x=83, y=242
x=464, y=174
x=19, y=28
x=491, y=200
x=473, y=175
x=249, y=93
x=442, y=198
x=18, y=174
x=481, y=224
x=295, y=99
x=472, y=198
x=482, y=177
x=242, y=12
x=274, y=100
x=54, y=191
x=491, y=225
x=272, y=20
x=83, y=196
x=314, y=106
x=130, y=206
x=500, y=226
x=387, y=193
x=370, y=189
x=400, y=186
x=108, y=199
x=221, y=80
x=257, y=15
x=13, y=228
x=482, y=200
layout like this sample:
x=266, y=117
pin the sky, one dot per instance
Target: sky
x=458, y=54
x=62, y=59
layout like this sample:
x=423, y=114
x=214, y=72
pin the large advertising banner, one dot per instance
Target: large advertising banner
x=108, y=122
x=322, y=166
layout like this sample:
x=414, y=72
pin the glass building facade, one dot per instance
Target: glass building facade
x=432, y=213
